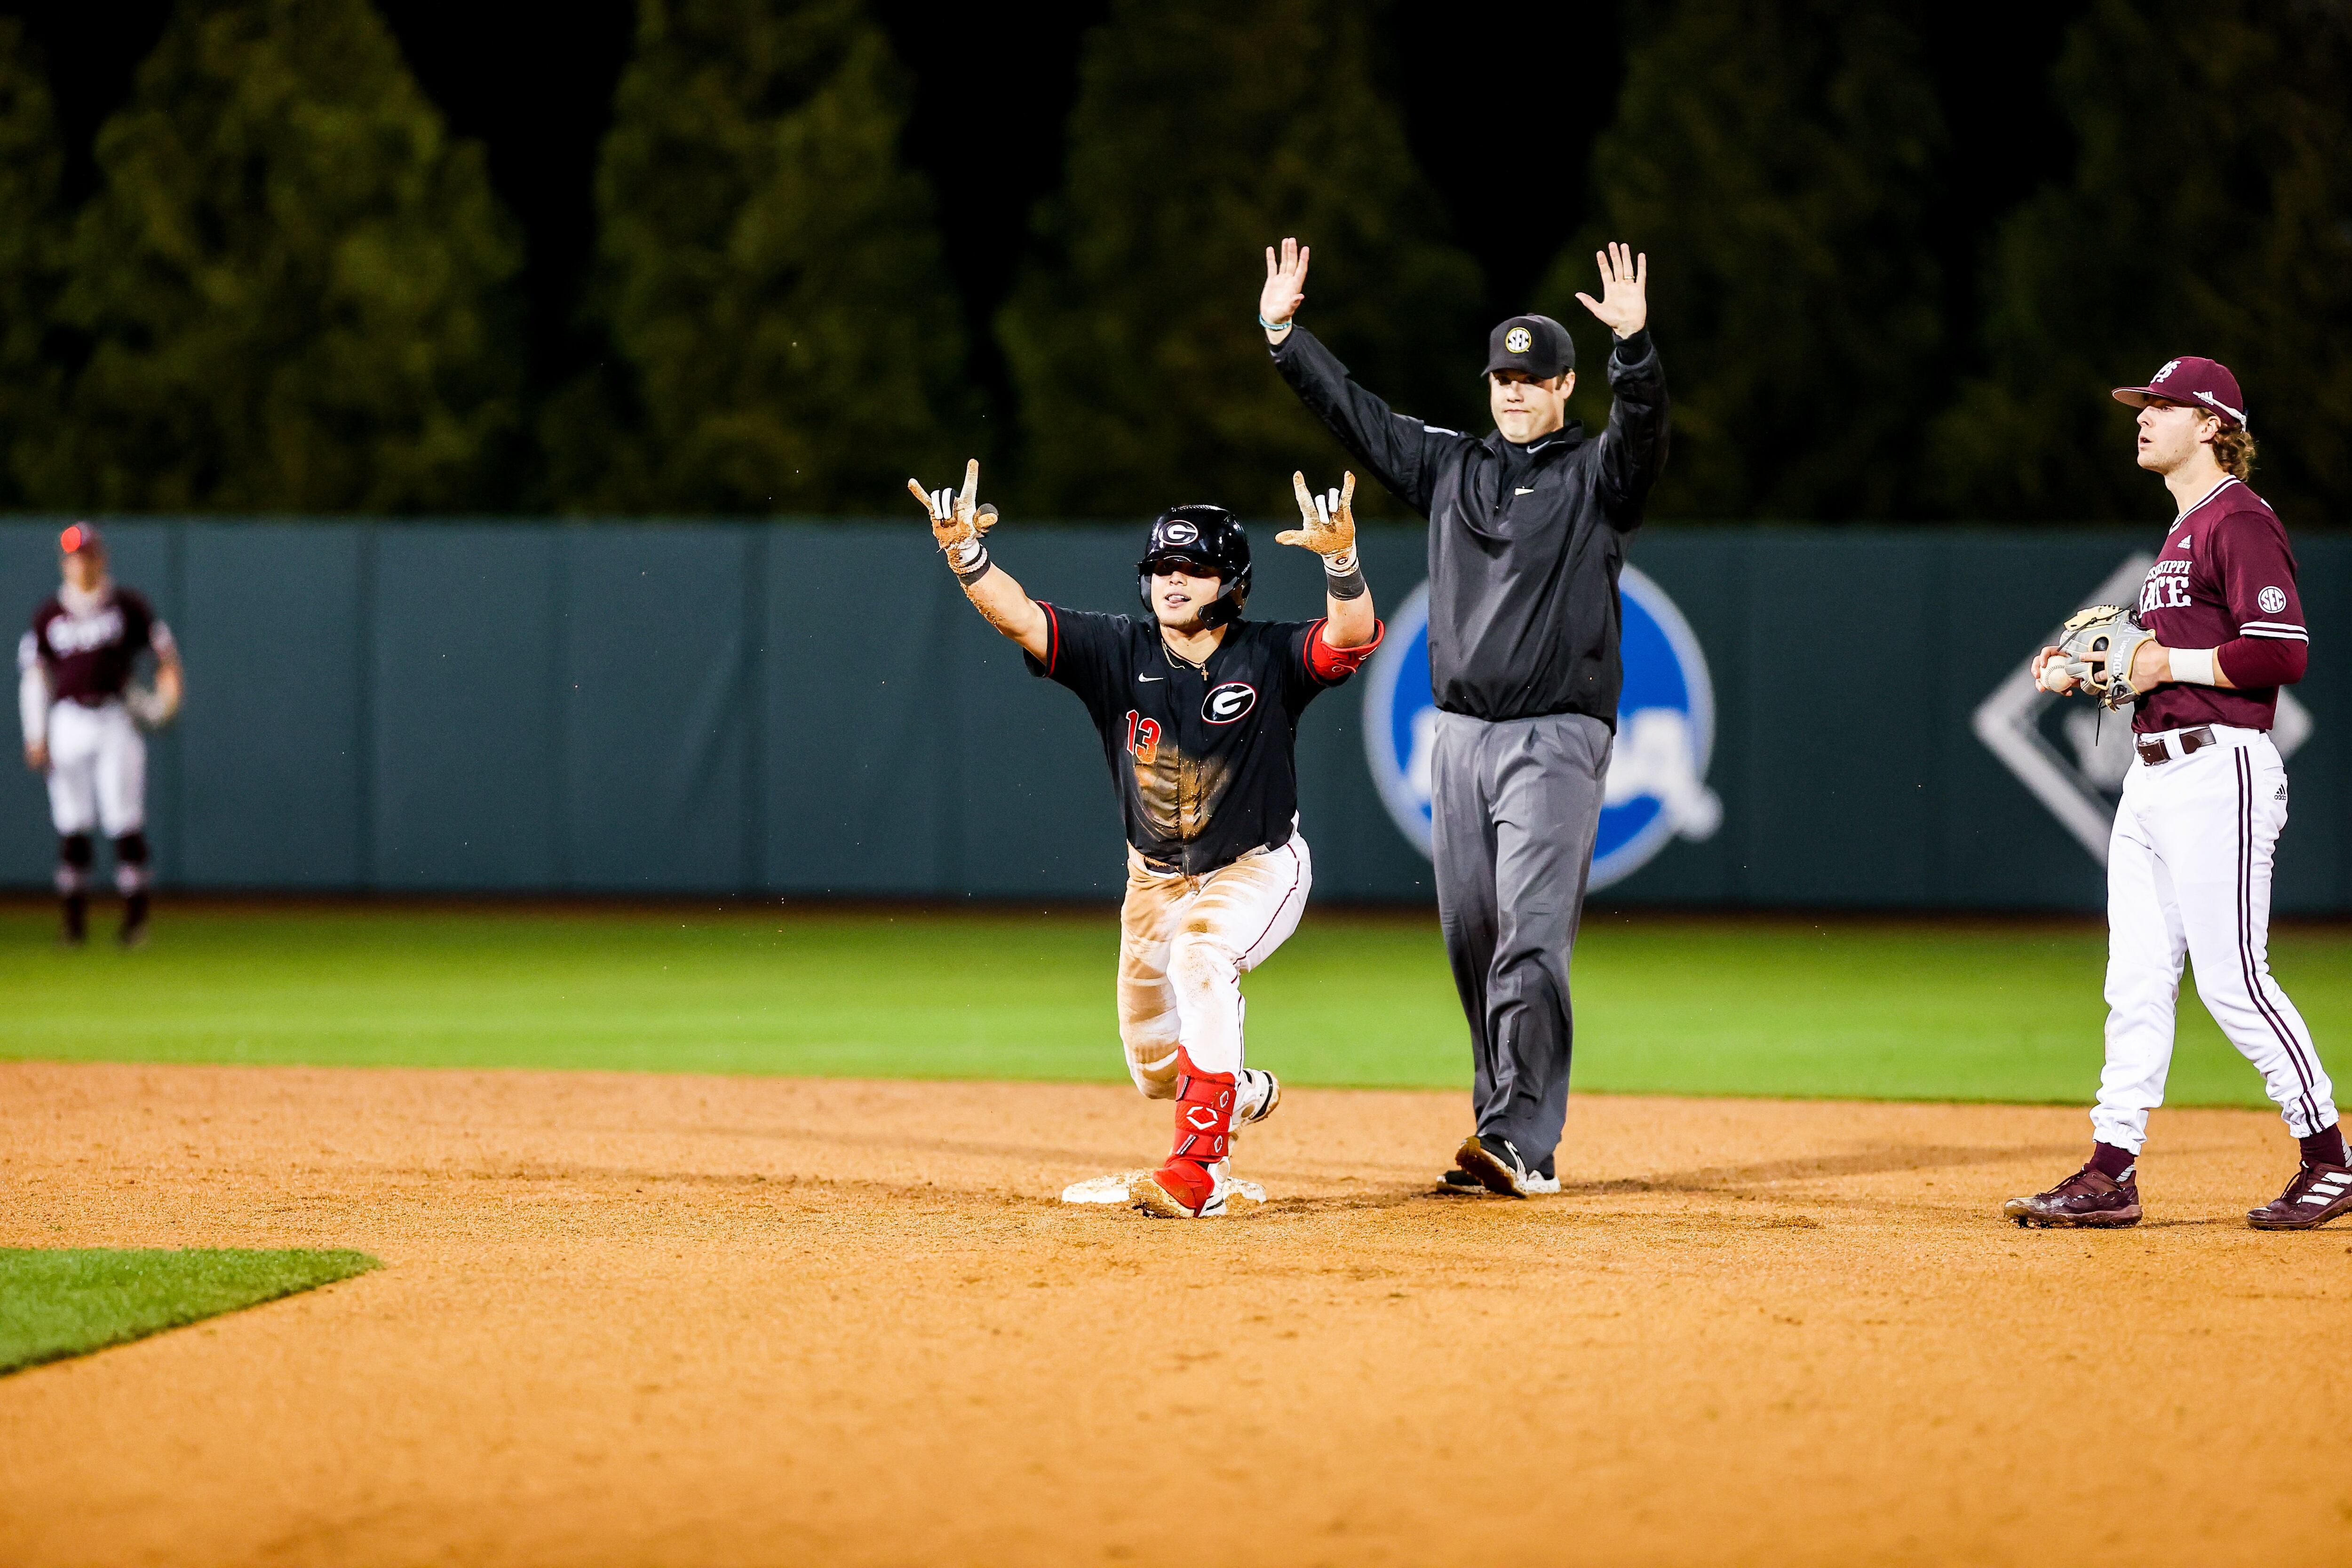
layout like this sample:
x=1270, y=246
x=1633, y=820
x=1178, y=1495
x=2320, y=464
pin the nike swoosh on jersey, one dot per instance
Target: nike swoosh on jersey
x=1144, y=677
x=1524, y=492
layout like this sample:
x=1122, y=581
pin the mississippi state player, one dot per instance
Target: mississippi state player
x=75, y=697
x=1198, y=710
x=2189, y=867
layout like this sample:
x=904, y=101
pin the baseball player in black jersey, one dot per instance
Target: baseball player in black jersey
x=75, y=697
x=1198, y=709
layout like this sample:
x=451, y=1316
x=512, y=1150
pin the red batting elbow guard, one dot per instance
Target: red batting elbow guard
x=1330, y=665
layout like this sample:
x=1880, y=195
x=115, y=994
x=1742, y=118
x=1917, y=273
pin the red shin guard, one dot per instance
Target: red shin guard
x=1204, y=1125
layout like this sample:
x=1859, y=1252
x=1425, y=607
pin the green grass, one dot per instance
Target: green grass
x=70, y=1301
x=1678, y=1005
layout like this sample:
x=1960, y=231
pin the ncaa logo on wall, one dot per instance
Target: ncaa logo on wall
x=1665, y=731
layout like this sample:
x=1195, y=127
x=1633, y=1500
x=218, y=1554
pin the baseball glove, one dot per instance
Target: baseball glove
x=2098, y=650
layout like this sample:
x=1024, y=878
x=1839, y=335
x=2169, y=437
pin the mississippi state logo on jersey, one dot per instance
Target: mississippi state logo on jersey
x=1665, y=731
x=70, y=634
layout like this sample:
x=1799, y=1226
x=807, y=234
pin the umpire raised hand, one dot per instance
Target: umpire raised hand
x=1527, y=528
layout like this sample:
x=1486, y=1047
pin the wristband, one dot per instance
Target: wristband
x=1339, y=564
x=2193, y=665
x=968, y=575
x=1274, y=326
x=1348, y=585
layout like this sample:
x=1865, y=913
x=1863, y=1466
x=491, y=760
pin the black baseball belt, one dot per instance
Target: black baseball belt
x=2156, y=753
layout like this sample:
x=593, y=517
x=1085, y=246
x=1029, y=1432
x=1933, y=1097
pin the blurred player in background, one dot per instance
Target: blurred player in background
x=2191, y=860
x=75, y=697
x=1198, y=711
x=1527, y=528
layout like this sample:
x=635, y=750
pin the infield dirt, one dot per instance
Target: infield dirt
x=655, y=1319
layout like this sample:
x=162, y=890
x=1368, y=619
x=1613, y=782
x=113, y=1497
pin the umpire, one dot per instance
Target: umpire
x=1526, y=531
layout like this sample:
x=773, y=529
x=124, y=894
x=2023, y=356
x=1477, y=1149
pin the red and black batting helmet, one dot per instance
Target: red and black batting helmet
x=1207, y=539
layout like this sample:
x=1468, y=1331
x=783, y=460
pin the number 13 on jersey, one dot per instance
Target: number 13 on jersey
x=1142, y=736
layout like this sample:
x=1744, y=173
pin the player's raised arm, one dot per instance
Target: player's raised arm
x=960, y=526
x=1329, y=529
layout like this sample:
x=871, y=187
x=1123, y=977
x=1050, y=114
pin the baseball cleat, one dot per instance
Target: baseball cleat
x=1461, y=1183
x=2318, y=1195
x=1494, y=1162
x=1255, y=1095
x=1184, y=1189
x=2090, y=1199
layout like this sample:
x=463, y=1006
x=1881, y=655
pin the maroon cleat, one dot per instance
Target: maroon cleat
x=2318, y=1195
x=2090, y=1199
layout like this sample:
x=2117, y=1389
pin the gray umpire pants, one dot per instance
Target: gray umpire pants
x=1514, y=808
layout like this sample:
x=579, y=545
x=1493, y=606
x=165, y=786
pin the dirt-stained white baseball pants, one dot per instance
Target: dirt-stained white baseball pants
x=1184, y=944
x=2189, y=870
x=97, y=770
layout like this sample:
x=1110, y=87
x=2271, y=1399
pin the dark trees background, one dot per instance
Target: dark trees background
x=290, y=289
x=1899, y=251
x=782, y=332
x=1200, y=132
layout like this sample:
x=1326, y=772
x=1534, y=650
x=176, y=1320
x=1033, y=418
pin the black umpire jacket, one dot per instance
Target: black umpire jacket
x=1525, y=542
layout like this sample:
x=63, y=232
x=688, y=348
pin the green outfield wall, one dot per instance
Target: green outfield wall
x=810, y=708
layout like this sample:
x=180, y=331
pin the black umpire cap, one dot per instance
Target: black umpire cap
x=1537, y=346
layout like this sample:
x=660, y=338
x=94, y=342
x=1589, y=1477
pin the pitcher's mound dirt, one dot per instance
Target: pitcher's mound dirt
x=680, y=1321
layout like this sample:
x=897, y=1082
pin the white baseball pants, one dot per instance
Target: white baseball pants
x=1184, y=944
x=2189, y=870
x=97, y=770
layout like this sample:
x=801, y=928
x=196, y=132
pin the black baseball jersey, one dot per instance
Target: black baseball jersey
x=1202, y=757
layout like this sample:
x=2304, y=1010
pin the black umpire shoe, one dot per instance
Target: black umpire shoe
x=2318, y=1195
x=134, y=922
x=2090, y=1199
x=1494, y=1162
x=1459, y=1182
x=73, y=920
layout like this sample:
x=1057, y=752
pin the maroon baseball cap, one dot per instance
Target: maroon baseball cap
x=79, y=537
x=2189, y=380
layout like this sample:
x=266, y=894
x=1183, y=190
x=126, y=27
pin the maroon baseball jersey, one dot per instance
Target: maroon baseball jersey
x=87, y=654
x=2225, y=581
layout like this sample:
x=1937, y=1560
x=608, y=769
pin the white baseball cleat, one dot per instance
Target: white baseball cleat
x=1255, y=1095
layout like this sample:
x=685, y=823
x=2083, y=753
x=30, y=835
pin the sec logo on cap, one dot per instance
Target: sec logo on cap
x=1518, y=340
x=1656, y=790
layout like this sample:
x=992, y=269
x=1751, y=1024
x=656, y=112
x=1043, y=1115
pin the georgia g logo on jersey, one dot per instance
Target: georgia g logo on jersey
x=1228, y=702
x=1656, y=790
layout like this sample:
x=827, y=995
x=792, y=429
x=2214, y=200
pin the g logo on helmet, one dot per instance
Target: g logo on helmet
x=2271, y=600
x=1656, y=790
x=1180, y=532
x=1228, y=702
x=1518, y=340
